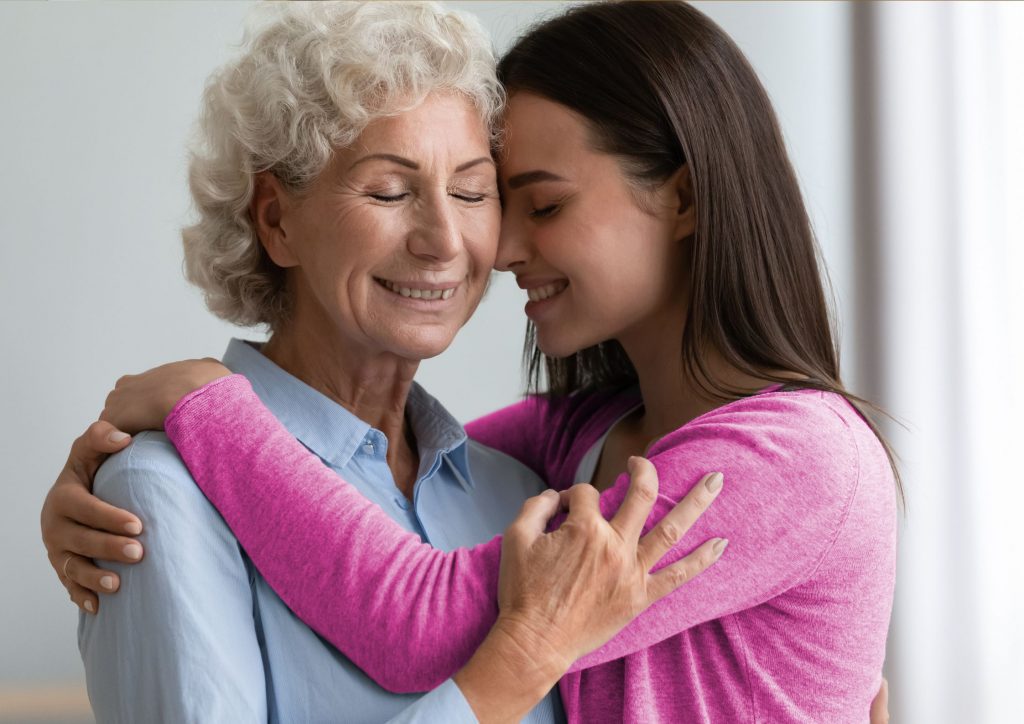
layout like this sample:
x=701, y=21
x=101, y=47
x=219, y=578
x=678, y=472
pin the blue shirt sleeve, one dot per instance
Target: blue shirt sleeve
x=445, y=703
x=177, y=642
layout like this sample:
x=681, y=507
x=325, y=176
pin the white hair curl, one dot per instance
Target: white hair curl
x=309, y=80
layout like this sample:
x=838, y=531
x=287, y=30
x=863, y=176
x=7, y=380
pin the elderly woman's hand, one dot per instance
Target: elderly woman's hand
x=143, y=401
x=565, y=593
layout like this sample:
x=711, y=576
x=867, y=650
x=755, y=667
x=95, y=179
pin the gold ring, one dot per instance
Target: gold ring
x=64, y=568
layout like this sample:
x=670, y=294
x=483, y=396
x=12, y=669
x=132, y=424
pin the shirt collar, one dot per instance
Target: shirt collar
x=438, y=434
x=332, y=432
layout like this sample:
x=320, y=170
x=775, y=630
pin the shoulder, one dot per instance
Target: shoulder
x=800, y=421
x=804, y=445
x=149, y=468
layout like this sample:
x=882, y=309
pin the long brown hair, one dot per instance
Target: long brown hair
x=660, y=86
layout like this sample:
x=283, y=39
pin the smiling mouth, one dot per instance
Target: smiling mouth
x=412, y=293
x=539, y=294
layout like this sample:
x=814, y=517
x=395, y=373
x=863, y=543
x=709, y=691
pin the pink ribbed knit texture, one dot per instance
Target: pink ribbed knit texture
x=789, y=625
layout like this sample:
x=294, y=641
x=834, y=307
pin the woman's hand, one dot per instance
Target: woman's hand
x=565, y=593
x=77, y=526
x=143, y=402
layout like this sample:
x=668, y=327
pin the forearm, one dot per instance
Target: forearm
x=366, y=585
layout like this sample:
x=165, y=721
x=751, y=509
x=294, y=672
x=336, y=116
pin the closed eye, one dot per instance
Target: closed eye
x=470, y=198
x=386, y=198
x=544, y=212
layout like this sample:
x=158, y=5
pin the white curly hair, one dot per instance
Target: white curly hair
x=311, y=76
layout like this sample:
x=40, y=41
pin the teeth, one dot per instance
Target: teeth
x=428, y=294
x=541, y=293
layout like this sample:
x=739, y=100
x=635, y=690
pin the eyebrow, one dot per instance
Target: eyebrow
x=402, y=161
x=531, y=177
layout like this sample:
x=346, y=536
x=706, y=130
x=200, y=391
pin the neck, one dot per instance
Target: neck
x=373, y=387
x=670, y=398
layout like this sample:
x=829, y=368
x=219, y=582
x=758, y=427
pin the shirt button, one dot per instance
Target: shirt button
x=402, y=503
x=368, y=448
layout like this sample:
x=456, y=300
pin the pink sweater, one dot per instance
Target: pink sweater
x=789, y=626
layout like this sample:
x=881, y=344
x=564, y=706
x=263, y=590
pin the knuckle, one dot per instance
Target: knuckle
x=645, y=490
x=669, y=533
x=679, y=576
x=78, y=540
x=591, y=527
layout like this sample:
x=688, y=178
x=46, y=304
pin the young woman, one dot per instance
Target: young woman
x=677, y=309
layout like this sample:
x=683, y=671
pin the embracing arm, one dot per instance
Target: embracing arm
x=349, y=571
x=380, y=588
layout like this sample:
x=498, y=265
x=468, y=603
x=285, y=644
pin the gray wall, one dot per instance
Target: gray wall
x=97, y=103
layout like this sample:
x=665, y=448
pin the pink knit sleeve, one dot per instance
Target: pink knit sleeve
x=793, y=468
x=407, y=614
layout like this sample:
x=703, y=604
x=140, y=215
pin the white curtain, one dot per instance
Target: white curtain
x=939, y=92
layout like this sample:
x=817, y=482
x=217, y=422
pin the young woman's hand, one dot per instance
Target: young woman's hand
x=565, y=593
x=143, y=401
x=77, y=526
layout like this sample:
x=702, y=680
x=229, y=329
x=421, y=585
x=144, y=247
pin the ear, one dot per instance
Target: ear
x=686, y=210
x=270, y=202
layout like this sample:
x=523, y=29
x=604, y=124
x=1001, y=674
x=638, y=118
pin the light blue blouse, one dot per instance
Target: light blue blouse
x=196, y=634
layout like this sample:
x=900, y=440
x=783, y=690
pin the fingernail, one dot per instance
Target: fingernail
x=117, y=436
x=89, y=607
x=133, y=551
x=107, y=582
x=719, y=547
x=133, y=528
x=549, y=493
x=714, y=483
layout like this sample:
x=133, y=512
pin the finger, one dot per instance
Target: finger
x=636, y=506
x=91, y=448
x=80, y=506
x=84, y=572
x=535, y=514
x=83, y=598
x=880, y=705
x=671, y=577
x=671, y=528
x=85, y=541
x=583, y=502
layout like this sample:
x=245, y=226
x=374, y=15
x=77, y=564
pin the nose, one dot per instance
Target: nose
x=513, y=245
x=438, y=237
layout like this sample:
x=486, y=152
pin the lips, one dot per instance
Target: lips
x=427, y=292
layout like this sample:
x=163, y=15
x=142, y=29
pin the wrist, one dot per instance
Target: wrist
x=539, y=645
x=514, y=668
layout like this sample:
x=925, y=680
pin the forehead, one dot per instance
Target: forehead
x=445, y=124
x=541, y=133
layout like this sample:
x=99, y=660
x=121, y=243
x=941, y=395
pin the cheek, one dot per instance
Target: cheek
x=480, y=233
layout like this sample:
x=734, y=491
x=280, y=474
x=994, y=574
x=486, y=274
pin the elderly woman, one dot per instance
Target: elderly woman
x=347, y=199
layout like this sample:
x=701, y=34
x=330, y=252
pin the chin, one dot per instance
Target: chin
x=421, y=347
x=558, y=346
